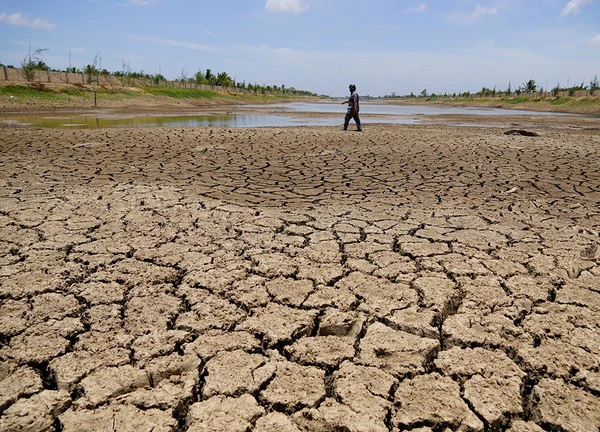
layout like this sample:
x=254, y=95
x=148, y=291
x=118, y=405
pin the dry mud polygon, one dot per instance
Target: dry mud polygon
x=409, y=278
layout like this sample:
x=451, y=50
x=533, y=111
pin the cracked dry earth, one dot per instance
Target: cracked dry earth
x=409, y=278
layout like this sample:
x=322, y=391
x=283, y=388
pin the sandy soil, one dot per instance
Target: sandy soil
x=423, y=278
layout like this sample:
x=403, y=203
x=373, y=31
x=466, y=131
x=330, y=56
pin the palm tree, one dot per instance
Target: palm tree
x=529, y=86
x=199, y=77
x=224, y=80
x=210, y=78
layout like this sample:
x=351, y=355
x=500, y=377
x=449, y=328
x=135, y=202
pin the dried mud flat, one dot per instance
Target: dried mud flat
x=409, y=278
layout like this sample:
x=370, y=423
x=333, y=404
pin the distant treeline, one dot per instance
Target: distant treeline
x=529, y=88
x=33, y=68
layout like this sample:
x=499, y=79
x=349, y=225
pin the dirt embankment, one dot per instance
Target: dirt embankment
x=125, y=99
x=135, y=104
x=572, y=105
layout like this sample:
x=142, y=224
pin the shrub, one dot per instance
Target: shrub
x=31, y=63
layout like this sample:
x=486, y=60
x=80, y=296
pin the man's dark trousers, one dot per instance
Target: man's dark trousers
x=352, y=115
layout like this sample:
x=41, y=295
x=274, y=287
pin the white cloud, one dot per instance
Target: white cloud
x=418, y=8
x=475, y=16
x=594, y=42
x=20, y=20
x=481, y=11
x=573, y=7
x=286, y=6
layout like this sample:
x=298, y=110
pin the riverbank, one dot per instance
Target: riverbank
x=407, y=277
x=565, y=104
x=23, y=98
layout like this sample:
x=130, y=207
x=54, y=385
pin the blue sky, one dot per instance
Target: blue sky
x=382, y=46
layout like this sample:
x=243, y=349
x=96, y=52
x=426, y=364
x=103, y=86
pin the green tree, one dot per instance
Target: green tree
x=199, y=77
x=224, y=80
x=91, y=70
x=576, y=88
x=529, y=86
x=42, y=66
x=210, y=77
x=486, y=92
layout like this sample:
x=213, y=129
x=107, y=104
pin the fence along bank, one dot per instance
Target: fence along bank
x=16, y=75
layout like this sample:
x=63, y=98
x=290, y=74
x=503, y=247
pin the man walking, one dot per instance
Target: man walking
x=353, y=107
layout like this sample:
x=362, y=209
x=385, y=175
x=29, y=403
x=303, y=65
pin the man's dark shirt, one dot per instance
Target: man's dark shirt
x=353, y=104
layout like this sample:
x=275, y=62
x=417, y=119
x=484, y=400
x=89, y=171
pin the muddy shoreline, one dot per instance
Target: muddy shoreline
x=225, y=102
x=518, y=120
x=410, y=277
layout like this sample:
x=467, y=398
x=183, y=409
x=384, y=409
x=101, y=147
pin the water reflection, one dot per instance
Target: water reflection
x=289, y=114
x=406, y=110
x=93, y=121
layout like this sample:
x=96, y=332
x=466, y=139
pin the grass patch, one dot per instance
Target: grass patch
x=38, y=91
x=466, y=100
x=560, y=101
x=585, y=102
x=113, y=94
x=241, y=97
x=516, y=100
x=26, y=92
x=74, y=92
x=181, y=93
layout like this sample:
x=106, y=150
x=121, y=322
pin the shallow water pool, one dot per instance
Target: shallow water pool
x=281, y=115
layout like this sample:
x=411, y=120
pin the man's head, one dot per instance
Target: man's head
x=352, y=87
